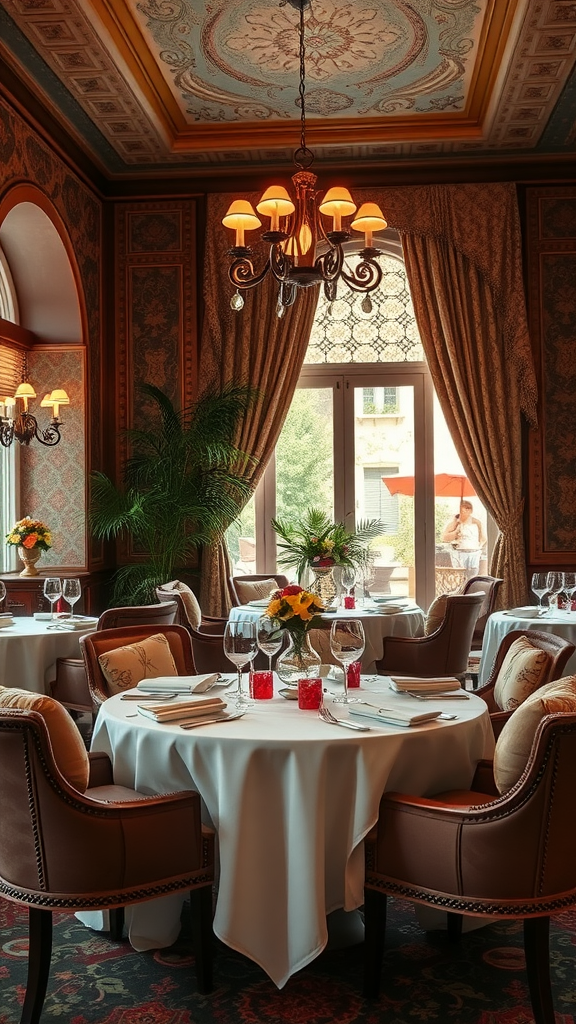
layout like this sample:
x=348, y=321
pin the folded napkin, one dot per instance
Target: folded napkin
x=392, y=716
x=183, y=709
x=440, y=684
x=178, y=684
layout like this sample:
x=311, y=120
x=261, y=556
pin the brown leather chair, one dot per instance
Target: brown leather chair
x=166, y=596
x=102, y=641
x=560, y=651
x=281, y=580
x=208, y=648
x=476, y=853
x=443, y=652
x=70, y=686
x=489, y=586
x=62, y=850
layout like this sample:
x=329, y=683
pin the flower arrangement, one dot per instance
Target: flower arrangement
x=316, y=541
x=30, y=533
x=294, y=608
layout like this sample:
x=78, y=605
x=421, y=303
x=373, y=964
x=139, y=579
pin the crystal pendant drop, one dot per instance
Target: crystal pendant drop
x=280, y=309
x=366, y=304
x=330, y=308
x=237, y=302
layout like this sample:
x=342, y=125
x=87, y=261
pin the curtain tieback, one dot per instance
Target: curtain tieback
x=512, y=519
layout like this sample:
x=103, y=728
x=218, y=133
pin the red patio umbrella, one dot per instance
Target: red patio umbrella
x=446, y=485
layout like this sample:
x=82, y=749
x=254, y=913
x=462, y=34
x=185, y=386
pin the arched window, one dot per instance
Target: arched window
x=11, y=365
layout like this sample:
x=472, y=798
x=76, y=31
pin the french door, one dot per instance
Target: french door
x=350, y=427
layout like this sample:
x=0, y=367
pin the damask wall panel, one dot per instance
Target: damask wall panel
x=53, y=479
x=552, y=308
x=156, y=308
x=25, y=158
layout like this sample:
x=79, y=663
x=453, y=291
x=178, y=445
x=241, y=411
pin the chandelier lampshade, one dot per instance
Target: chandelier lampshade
x=306, y=237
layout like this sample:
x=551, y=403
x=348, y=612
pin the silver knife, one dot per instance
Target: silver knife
x=211, y=721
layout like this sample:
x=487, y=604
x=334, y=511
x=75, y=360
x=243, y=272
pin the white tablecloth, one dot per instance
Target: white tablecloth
x=500, y=623
x=291, y=799
x=29, y=649
x=377, y=625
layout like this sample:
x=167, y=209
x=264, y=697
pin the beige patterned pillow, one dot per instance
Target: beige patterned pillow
x=124, y=667
x=515, y=741
x=189, y=600
x=435, y=616
x=255, y=590
x=67, y=744
x=523, y=670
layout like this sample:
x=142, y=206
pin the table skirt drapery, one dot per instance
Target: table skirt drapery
x=291, y=800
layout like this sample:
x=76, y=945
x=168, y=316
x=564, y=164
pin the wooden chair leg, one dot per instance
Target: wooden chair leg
x=39, y=953
x=374, y=939
x=202, y=935
x=116, y=916
x=537, y=951
x=454, y=926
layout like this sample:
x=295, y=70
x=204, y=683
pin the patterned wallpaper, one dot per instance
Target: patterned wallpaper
x=53, y=481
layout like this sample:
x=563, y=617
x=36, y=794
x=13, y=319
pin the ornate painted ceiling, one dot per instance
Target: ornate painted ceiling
x=211, y=86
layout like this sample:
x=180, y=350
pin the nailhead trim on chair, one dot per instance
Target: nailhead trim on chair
x=35, y=828
x=191, y=881
x=532, y=909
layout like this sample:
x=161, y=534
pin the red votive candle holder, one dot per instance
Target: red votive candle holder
x=353, y=674
x=309, y=694
x=349, y=601
x=261, y=687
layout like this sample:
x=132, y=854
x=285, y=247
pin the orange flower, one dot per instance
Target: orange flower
x=30, y=541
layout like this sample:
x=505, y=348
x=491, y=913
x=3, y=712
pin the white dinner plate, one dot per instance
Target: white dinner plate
x=259, y=604
x=529, y=611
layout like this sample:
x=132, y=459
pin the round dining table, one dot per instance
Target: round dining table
x=500, y=623
x=29, y=648
x=377, y=621
x=291, y=799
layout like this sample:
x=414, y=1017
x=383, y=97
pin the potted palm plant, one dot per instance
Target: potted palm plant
x=182, y=485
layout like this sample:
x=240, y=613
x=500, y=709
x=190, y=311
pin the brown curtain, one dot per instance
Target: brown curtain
x=254, y=346
x=462, y=247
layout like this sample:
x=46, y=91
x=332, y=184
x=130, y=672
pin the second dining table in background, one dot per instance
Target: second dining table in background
x=500, y=623
x=30, y=647
x=377, y=623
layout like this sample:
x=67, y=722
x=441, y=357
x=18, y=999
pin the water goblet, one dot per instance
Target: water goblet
x=539, y=588
x=569, y=588
x=555, y=584
x=348, y=578
x=52, y=593
x=240, y=648
x=71, y=592
x=347, y=644
x=269, y=638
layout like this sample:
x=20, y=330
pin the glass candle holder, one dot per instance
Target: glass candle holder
x=353, y=674
x=309, y=694
x=349, y=601
x=261, y=686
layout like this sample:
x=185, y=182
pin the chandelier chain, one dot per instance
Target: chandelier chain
x=302, y=86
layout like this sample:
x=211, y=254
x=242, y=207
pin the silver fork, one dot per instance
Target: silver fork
x=327, y=716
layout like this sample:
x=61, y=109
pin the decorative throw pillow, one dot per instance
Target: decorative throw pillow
x=436, y=613
x=523, y=670
x=255, y=590
x=191, y=606
x=515, y=741
x=124, y=667
x=67, y=744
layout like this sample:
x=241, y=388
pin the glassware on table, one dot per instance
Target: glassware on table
x=2, y=591
x=52, y=592
x=555, y=584
x=310, y=694
x=570, y=588
x=240, y=648
x=261, y=684
x=368, y=572
x=71, y=592
x=348, y=580
x=269, y=638
x=539, y=588
x=347, y=642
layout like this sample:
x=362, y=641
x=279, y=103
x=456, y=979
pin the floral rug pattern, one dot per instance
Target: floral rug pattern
x=482, y=980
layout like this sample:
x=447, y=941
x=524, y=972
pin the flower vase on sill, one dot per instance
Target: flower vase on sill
x=294, y=611
x=32, y=537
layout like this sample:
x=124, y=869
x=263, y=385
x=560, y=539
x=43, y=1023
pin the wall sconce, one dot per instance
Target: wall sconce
x=24, y=426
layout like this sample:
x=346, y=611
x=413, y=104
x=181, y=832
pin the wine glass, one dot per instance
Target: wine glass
x=347, y=644
x=555, y=583
x=240, y=648
x=71, y=592
x=368, y=576
x=269, y=638
x=348, y=578
x=570, y=588
x=52, y=593
x=539, y=588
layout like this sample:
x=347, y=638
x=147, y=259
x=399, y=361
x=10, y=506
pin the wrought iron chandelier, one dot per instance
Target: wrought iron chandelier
x=302, y=252
x=23, y=426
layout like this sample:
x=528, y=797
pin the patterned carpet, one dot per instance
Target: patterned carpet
x=480, y=981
